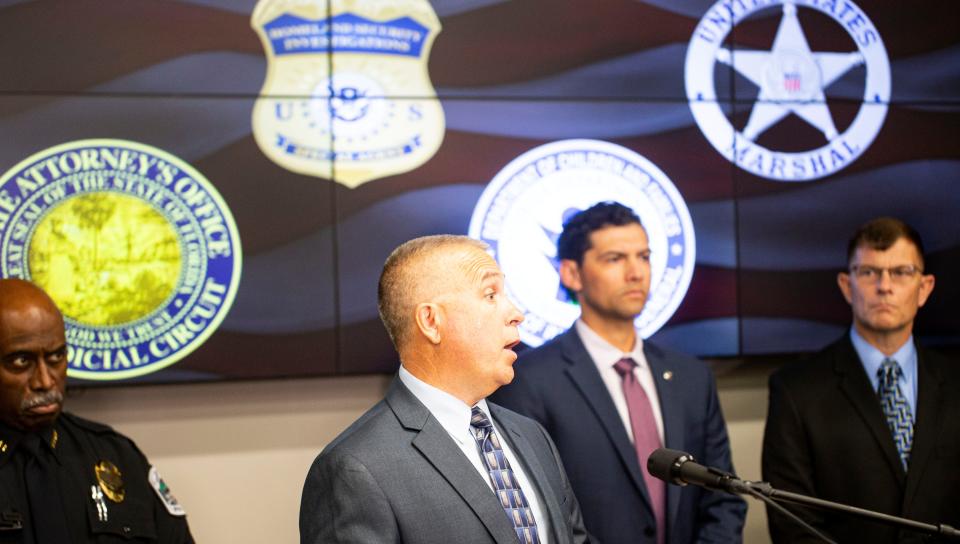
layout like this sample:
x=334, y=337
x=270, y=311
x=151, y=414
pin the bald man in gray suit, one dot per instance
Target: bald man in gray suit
x=433, y=461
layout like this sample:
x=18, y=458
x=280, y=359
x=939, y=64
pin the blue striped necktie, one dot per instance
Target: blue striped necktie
x=505, y=483
x=896, y=408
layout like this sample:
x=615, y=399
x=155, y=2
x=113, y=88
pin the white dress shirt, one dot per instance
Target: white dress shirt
x=454, y=416
x=605, y=356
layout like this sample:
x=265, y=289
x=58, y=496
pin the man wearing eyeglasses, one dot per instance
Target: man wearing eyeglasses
x=873, y=420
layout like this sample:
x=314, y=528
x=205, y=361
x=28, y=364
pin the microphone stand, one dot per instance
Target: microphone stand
x=767, y=493
x=680, y=468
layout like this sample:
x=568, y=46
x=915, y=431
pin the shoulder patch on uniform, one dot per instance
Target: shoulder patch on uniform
x=166, y=497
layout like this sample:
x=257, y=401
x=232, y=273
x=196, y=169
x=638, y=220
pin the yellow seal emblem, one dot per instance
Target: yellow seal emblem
x=329, y=106
x=110, y=480
x=137, y=248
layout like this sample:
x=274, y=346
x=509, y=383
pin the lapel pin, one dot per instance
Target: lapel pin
x=668, y=375
x=97, y=495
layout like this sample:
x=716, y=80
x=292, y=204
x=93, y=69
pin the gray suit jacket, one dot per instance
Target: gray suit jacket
x=395, y=475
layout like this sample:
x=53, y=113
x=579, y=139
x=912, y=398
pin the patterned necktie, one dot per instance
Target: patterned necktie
x=43, y=494
x=896, y=408
x=645, y=438
x=505, y=483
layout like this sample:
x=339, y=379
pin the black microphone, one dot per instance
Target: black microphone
x=680, y=468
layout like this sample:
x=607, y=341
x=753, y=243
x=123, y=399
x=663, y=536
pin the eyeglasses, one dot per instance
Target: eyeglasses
x=898, y=274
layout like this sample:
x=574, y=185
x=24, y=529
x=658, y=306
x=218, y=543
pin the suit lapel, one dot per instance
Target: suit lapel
x=535, y=474
x=436, y=446
x=672, y=412
x=856, y=387
x=929, y=389
x=585, y=376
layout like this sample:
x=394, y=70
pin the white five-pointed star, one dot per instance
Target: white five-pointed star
x=791, y=78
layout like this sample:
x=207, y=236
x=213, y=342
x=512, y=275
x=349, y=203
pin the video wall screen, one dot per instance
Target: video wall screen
x=209, y=188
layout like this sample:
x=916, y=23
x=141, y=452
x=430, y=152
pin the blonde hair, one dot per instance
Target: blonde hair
x=402, y=277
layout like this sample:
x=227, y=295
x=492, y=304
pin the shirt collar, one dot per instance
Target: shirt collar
x=872, y=358
x=452, y=413
x=604, y=353
x=11, y=439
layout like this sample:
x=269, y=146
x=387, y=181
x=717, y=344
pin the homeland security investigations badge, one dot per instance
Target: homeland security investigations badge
x=329, y=105
x=134, y=245
x=791, y=80
x=521, y=213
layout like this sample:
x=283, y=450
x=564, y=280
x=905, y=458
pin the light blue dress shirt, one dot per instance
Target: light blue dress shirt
x=906, y=357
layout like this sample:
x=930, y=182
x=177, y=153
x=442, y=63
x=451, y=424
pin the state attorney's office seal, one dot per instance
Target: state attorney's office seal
x=134, y=245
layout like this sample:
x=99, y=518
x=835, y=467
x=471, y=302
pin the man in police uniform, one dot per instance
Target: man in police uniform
x=63, y=479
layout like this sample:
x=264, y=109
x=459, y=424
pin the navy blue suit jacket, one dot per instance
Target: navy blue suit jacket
x=558, y=385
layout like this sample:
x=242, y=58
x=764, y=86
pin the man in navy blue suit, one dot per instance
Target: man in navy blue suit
x=608, y=398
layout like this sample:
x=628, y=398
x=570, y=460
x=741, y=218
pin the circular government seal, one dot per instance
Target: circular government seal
x=136, y=247
x=792, y=79
x=522, y=211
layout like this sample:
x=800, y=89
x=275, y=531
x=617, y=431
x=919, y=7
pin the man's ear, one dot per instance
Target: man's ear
x=429, y=318
x=570, y=275
x=926, y=287
x=843, y=281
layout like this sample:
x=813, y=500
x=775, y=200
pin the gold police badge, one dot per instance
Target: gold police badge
x=347, y=95
x=110, y=480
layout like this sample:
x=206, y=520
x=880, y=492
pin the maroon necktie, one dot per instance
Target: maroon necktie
x=645, y=438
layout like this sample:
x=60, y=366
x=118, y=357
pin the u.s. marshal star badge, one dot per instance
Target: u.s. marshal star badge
x=792, y=79
x=347, y=94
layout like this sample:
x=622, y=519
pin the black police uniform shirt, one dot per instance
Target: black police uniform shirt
x=108, y=490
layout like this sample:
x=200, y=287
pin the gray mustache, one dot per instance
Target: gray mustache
x=40, y=399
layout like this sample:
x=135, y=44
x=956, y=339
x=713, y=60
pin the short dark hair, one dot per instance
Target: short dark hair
x=881, y=233
x=574, y=241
